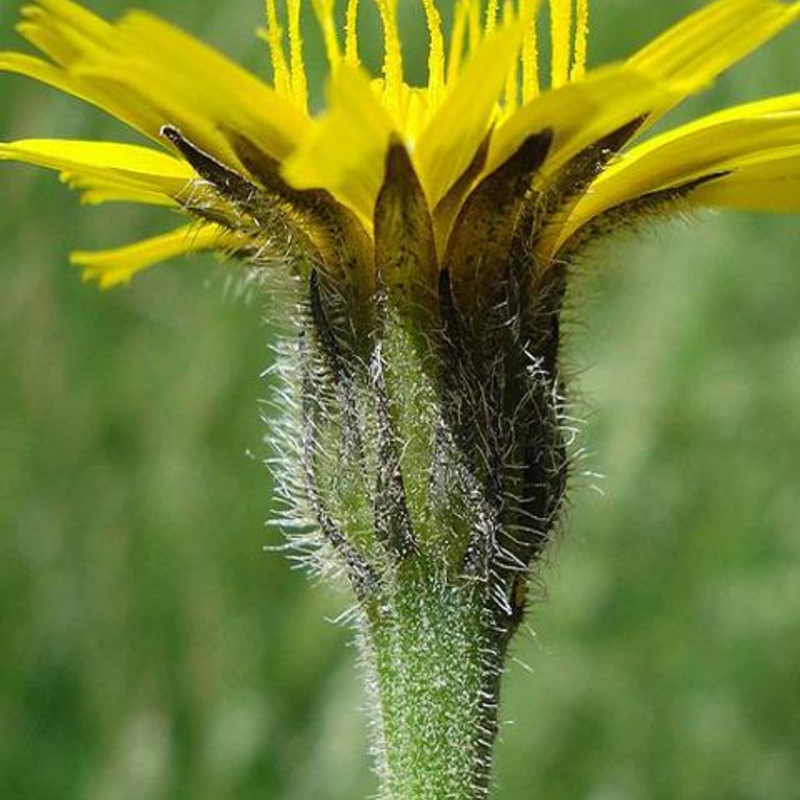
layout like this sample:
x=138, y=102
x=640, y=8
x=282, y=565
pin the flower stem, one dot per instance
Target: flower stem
x=434, y=669
x=432, y=465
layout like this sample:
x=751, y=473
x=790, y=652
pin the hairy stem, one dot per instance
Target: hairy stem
x=433, y=668
x=430, y=468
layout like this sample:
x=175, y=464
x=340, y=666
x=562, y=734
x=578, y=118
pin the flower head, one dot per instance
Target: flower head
x=428, y=234
x=248, y=161
x=432, y=229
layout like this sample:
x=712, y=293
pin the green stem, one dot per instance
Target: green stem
x=434, y=466
x=435, y=673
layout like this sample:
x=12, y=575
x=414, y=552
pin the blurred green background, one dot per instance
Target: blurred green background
x=150, y=649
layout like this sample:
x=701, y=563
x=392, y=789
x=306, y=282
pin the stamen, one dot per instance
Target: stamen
x=299, y=82
x=581, y=36
x=530, y=52
x=351, y=34
x=393, y=56
x=511, y=92
x=274, y=39
x=435, y=52
x=323, y=9
x=475, y=32
x=561, y=40
x=491, y=15
x=457, y=40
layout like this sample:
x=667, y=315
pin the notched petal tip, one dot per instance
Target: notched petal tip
x=118, y=265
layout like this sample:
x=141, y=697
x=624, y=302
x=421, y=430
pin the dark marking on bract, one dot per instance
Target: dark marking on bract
x=405, y=249
x=229, y=183
x=478, y=249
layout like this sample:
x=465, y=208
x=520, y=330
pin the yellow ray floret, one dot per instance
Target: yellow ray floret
x=455, y=131
x=765, y=181
x=690, y=151
x=120, y=164
x=580, y=113
x=119, y=265
x=97, y=190
x=149, y=73
x=480, y=104
x=141, y=118
x=224, y=92
x=458, y=39
x=345, y=151
x=705, y=44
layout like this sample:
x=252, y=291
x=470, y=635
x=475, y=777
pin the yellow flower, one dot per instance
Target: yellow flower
x=260, y=175
x=425, y=234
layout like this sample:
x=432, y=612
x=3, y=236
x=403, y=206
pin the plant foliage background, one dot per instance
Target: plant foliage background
x=150, y=650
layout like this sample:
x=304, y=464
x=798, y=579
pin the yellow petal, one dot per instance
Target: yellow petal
x=768, y=181
x=705, y=44
x=139, y=161
x=716, y=143
x=79, y=18
x=68, y=34
x=579, y=113
x=149, y=73
x=454, y=133
x=141, y=118
x=194, y=74
x=95, y=191
x=458, y=39
x=346, y=150
x=119, y=265
x=145, y=168
x=692, y=150
x=171, y=103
